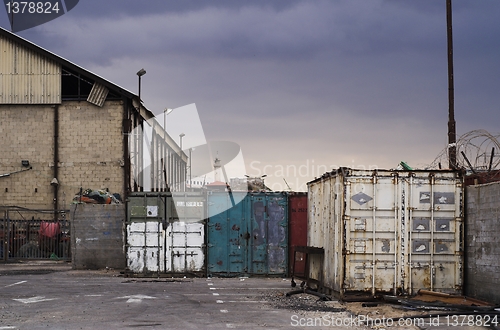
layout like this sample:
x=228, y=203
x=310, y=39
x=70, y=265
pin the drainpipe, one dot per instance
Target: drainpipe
x=126, y=157
x=54, y=183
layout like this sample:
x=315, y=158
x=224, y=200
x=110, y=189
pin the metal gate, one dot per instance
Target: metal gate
x=34, y=234
x=166, y=233
x=249, y=237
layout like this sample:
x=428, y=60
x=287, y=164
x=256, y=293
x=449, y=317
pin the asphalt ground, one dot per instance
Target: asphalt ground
x=50, y=295
x=53, y=296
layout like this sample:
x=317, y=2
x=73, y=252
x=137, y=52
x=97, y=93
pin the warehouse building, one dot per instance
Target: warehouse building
x=65, y=130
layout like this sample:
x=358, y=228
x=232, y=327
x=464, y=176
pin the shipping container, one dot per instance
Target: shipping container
x=249, y=237
x=166, y=233
x=297, y=231
x=387, y=231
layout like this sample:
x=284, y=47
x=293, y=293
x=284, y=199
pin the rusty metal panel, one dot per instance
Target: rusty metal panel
x=388, y=231
x=435, y=229
x=325, y=230
x=297, y=229
x=27, y=77
x=250, y=237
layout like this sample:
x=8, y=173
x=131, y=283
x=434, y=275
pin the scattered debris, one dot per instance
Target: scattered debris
x=90, y=196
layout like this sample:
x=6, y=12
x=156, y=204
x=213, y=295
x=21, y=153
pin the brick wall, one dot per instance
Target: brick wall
x=90, y=152
x=97, y=236
x=482, y=242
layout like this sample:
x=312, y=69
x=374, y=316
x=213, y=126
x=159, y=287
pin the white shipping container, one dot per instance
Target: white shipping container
x=387, y=231
x=165, y=233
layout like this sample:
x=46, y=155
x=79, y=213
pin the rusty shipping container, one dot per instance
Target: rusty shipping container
x=387, y=231
x=297, y=230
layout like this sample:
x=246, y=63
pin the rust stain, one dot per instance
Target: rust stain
x=235, y=227
x=218, y=226
x=219, y=262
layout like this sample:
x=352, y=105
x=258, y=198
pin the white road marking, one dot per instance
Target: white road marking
x=220, y=301
x=213, y=288
x=34, y=299
x=215, y=294
x=210, y=283
x=136, y=298
x=224, y=311
x=15, y=284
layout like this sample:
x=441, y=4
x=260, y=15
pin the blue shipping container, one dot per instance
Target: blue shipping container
x=248, y=238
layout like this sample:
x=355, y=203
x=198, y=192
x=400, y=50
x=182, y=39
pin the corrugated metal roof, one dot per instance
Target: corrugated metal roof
x=27, y=77
x=35, y=49
x=63, y=62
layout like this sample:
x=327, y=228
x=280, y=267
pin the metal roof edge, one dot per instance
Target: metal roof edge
x=349, y=169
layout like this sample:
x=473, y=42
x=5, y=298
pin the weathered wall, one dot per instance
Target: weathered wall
x=27, y=134
x=97, y=236
x=90, y=152
x=482, y=242
x=90, y=148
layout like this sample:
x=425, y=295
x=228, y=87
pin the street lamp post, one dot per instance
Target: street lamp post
x=140, y=73
x=166, y=112
x=180, y=140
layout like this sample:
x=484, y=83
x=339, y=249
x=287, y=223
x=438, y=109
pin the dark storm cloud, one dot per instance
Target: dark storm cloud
x=96, y=8
x=362, y=80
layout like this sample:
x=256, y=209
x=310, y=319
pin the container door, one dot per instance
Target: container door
x=297, y=206
x=371, y=232
x=249, y=237
x=228, y=238
x=145, y=248
x=268, y=228
x=185, y=247
x=435, y=251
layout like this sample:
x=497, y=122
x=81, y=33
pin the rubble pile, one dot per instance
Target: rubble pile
x=90, y=196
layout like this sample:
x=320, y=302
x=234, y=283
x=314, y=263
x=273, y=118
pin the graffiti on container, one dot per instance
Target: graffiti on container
x=386, y=245
x=276, y=236
x=259, y=232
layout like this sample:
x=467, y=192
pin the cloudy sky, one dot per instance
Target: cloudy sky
x=301, y=86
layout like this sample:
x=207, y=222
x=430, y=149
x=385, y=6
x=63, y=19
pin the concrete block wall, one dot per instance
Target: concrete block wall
x=90, y=148
x=27, y=134
x=97, y=239
x=482, y=273
x=90, y=152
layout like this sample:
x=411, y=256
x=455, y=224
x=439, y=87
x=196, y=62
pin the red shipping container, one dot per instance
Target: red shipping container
x=297, y=236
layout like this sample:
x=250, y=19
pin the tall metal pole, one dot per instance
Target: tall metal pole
x=452, y=134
